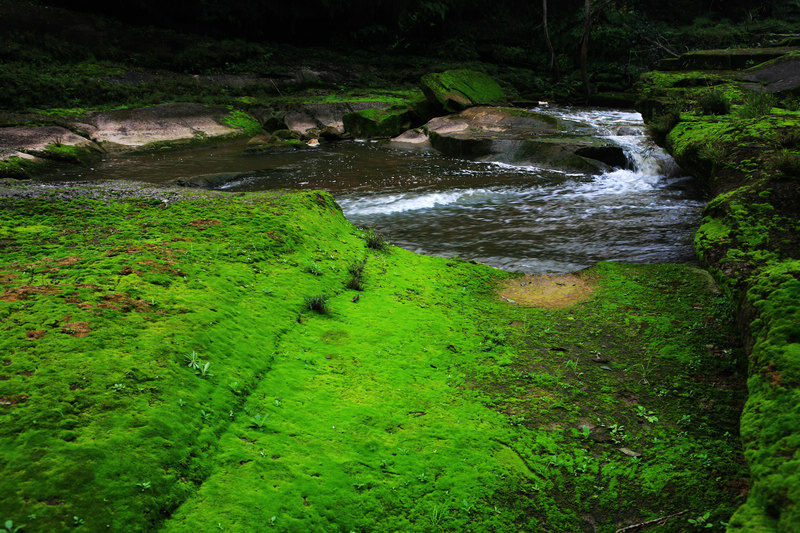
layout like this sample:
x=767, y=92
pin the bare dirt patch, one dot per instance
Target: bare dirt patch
x=549, y=291
x=76, y=329
x=24, y=291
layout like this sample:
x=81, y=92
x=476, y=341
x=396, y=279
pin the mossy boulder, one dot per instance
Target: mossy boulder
x=379, y=123
x=455, y=90
x=24, y=149
x=278, y=139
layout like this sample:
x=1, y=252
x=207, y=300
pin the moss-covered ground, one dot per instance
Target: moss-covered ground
x=255, y=363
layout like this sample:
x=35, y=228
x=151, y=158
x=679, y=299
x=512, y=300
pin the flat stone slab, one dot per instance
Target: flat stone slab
x=20, y=141
x=133, y=128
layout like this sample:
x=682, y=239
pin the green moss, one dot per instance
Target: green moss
x=244, y=122
x=455, y=90
x=161, y=371
x=16, y=167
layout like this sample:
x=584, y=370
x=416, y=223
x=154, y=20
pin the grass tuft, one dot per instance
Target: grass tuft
x=318, y=303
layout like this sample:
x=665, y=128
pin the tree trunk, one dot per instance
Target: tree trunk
x=589, y=15
x=553, y=63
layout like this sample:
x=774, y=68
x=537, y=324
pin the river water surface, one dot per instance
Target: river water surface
x=512, y=217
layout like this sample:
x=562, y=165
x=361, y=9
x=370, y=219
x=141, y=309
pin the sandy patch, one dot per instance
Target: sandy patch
x=549, y=291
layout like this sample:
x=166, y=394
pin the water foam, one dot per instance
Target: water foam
x=398, y=203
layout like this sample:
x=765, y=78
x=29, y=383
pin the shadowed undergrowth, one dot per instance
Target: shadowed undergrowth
x=162, y=369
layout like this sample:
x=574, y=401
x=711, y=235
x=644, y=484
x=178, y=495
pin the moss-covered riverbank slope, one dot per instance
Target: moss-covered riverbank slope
x=739, y=131
x=184, y=362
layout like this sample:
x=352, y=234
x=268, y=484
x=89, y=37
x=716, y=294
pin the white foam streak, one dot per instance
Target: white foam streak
x=397, y=203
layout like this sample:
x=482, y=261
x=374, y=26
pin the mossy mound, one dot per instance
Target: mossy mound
x=456, y=90
x=174, y=359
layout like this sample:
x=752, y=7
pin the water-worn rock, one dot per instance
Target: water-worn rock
x=521, y=137
x=135, y=128
x=306, y=117
x=211, y=181
x=456, y=90
x=778, y=75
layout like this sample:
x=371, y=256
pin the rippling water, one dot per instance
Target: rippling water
x=513, y=217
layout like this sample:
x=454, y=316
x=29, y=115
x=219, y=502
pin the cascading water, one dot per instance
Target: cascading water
x=513, y=217
x=537, y=220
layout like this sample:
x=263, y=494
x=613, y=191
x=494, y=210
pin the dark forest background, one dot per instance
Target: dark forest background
x=61, y=53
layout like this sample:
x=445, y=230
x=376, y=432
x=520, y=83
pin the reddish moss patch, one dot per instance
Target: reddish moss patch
x=204, y=223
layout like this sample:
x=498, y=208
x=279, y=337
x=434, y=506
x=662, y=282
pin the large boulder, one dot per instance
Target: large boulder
x=456, y=90
x=519, y=136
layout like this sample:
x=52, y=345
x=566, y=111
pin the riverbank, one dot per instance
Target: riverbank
x=177, y=359
x=737, y=130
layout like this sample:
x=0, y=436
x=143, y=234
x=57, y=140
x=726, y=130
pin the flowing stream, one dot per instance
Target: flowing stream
x=513, y=217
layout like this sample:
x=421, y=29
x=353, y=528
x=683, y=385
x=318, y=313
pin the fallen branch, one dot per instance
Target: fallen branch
x=640, y=524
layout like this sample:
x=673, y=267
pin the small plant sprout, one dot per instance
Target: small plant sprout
x=701, y=521
x=193, y=361
x=258, y=422
x=11, y=528
x=648, y=415
x=144, y=485
x=314, y=269
x=617, y=433
x=235, y=387
x=204, y=372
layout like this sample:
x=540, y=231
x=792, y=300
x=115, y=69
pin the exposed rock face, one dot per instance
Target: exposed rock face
x=778, y=75
x=456, y=90
x=164, y=122
x=521, y=137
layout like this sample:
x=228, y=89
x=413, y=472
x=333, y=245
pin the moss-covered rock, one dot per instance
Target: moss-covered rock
x=455, y=90
x=379, y=123
x=749, y=241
